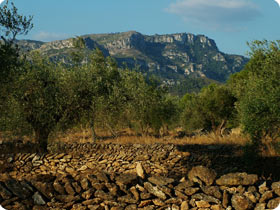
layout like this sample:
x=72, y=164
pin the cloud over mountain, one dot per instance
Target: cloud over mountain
x=48, y=36
x=216, y=14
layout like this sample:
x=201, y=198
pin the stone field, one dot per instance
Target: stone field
x=133, y=176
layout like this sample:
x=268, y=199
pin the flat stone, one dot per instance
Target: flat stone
x=237, y=179
x=184, y=205
x=88, y=194
x=202, y=204
x=191, y=190
x=38, y=199
x=126, y=179
x=154, y=190
x=208, y=198
x=260, y=206
x=274, y=203
x=239, y=202
x=267, y=195
x=160, y=180
x=202, y=173
x=127, y=199
x=140, y=171
x=275, y=185
x=101, y=194
x=212, y=190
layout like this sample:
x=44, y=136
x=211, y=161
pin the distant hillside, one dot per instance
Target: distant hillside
x=172, y=57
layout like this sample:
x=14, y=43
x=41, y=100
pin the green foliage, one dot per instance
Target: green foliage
x=11, y=25
x=211, y=109
x=41, y=93
x=259, y=104
x=189, y=85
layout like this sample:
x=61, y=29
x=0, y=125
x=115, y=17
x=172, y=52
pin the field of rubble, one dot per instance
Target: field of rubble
x=137, y=176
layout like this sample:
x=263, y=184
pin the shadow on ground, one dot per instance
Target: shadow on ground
x=231, y=158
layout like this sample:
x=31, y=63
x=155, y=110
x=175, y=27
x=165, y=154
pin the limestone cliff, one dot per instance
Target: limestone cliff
x=171, y=56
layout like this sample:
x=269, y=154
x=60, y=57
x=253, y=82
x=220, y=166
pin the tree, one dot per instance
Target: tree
x=44, y=97
x=211, y=109
x=11, y=25
x=259, y=105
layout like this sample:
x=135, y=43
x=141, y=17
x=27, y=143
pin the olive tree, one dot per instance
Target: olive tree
x=211, y=109
x=11, y=25
x=44, y=96
x=259, y=105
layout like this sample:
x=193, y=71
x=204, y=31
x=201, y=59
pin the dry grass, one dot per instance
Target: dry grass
x=128, y=137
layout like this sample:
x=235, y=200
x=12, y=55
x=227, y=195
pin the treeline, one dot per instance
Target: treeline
x=40, y=97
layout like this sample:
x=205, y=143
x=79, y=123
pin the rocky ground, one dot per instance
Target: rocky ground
x=135, y=176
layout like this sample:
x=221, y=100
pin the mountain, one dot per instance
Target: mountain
x=172, y=57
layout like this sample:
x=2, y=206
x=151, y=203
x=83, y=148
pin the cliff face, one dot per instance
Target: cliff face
x=171, y=56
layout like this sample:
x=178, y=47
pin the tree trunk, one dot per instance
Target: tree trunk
x=93, y=133
x=41, y=137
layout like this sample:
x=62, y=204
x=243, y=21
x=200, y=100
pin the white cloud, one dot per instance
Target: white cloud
x=48, y=36
x=216, y=14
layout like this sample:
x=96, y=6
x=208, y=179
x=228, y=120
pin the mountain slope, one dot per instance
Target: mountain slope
x=171, y=57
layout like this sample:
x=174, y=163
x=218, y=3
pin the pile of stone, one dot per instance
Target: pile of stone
x=200, y=190
x=128, y=177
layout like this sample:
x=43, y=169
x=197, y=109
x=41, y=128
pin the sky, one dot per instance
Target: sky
x=231, y=23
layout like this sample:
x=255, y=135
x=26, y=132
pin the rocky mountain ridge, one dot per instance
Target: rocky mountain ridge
x=170, y=56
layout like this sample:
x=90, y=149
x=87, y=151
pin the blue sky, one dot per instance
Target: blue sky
x=231, y=23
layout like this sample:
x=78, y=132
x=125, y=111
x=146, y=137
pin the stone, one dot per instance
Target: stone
x=181, y=195
x=58, y=188
x=69, y=189
x=101, y=194
x=84, y=183
x=260, y=206
x=140, y=171
x=135, y=193
x=202, y=204
x=263, y=188
x=274, y=203
x=202, y=173
x=158, y=202
x=131, y=207
x=251, y=196
x=237, y=179
x=127, y=199
x=38, y=199
x=67, y=198
x=212, y=190
x=17, y=189
x=126, y=179
x=88, y=194
x=239, y=202
x=4, y=192
x=191, y=190
x=208, y=198
x=145, y=195
x=275, y=185
x=144, y=203
x=267, y=195
x=154, y=190
x=225, y=199
x=160, y=180
x=77, y=187
x=217, y=207
x=184, y=205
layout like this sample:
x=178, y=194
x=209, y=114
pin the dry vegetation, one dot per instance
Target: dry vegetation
x=128, y=137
